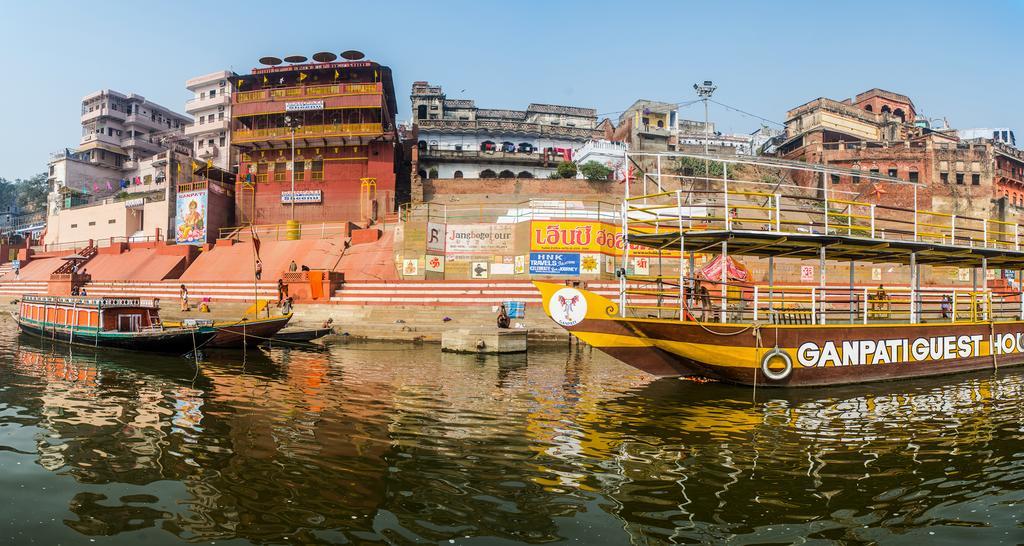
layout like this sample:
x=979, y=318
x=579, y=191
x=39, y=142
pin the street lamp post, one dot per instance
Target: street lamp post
x=292, y=124
x=704, y=91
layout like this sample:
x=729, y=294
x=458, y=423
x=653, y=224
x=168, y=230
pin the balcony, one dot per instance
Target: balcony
x=477, y=156
x=209, y=127
x=240, y=136
x=504, y=127
x=308, y=92
x=207, y=102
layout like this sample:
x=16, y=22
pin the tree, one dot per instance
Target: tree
x=29, y=194
x=566, y=169
x=594, y=171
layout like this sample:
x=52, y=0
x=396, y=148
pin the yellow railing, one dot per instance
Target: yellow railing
x=334, y=129
x=315, y=91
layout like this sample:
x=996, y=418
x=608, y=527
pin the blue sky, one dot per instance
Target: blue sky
x=957, y=60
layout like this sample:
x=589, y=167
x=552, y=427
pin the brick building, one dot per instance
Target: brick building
x=879, y=132
x=345, y=141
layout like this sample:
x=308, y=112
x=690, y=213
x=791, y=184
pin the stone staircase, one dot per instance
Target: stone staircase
x=459, y=293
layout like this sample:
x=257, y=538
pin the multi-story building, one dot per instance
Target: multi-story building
x=607, y=153
x=691, y=136
x=876, y=132
x=124, y=150
x=458, y=140
x=648, y=126
x=339, y=118
x=210, y=133
x=119, y=128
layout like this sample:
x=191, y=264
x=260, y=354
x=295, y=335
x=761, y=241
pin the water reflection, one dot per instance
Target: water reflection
x=382, y=443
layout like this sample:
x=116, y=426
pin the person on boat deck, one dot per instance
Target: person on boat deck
x=183, y=293
x=259, y=269
x=947, y=306
x=704, y=300
x=292, y=267
x=881, y=303
x=503, y=318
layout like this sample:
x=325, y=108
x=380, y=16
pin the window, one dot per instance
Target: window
x=280, y=171
x=223, y=141
x=202, y=120
x=222, y=83
x=112, y=221
x=300, y=170
x=199, y=144
x=210, y=142
x=213, y=93
x=944, y=177
x=458, y=174
x=975, y=179
x=210, y=118
x=835, y=178
x=913, y=176
x=893, y=173
x=318, y=170
x=960, y=178
x=92, y=223
x=220, y=116
x=73, y=226
x=148, y=179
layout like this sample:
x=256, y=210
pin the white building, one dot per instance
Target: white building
x=459, y=140
x=610, y=154
x=124, y=151
x=1000, y=134
x=210, y=133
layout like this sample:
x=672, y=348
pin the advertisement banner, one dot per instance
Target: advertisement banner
x=435, y=237
x=410, y=267
x=190, y=218
x=554, y=263
x=489, y=239
x=302, y=196
x=520, y=264
x=584, y=236
x=478, y=270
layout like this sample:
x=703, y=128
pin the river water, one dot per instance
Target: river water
x=370, y=443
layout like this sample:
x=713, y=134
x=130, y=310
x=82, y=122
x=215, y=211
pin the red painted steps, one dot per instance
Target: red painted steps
x=455, y=292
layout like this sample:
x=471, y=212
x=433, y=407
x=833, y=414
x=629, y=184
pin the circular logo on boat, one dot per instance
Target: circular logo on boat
x=568, y=307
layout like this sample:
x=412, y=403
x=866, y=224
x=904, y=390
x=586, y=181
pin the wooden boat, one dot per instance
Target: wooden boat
x=811, y=334
x=303, y=335
x=236, y=333
x=124, y=323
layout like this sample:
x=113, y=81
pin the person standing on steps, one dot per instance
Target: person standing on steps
x=183, y=293
x=293, y=267
x=282, y=291
x=259, y=270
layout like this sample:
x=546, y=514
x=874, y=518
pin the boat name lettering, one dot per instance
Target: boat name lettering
x=887, y=351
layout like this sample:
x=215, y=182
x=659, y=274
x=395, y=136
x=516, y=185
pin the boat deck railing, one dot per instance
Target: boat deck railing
x=756, y=210
x=815, y=305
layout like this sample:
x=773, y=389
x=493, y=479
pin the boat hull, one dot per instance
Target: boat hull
x=303, y=336
x=233, y=335
x=817, y=355
x=177, y=340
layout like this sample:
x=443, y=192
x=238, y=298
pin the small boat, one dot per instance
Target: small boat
x=303, y=335
x=233, y=334
x=124, y=323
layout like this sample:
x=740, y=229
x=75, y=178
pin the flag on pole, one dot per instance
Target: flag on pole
x=302, y=76
x=336, y=73
x=195, y=166
x=255, y=241
x=240, y=82
x=209, y=163
x=265, y=80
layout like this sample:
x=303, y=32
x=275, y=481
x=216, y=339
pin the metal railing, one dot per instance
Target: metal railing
x=311, y=91
x=511, y=212
x=334, y=129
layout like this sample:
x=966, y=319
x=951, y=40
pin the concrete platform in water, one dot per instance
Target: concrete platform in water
x=484, y=341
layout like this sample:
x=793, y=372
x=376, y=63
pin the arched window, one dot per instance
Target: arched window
x=526, y=147
x=886, y=109
x=899, y=113
x=661, y=124
x=487, y=173
x=508, y=146
x=525, y=174
x=422, y=174
x=433, y=172
x=869, y=108
x=422, y=145
x=506, y=174
x=458, y=174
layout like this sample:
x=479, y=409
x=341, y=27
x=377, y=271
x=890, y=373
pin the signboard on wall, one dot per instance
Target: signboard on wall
x=435, y=236
x=585, y=236
x=554, y=263
x=478, y=270
x=435, y=264
x=520, y=264
x=304, y=105
x=410, y=267
x=190, y=218
x=487, y=239
x=806, y=273
x=302, y=196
